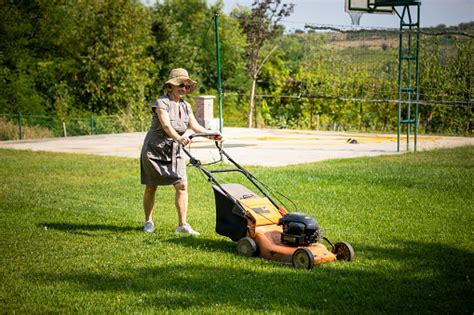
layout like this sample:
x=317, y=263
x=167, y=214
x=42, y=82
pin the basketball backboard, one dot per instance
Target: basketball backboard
x=389, y=3
x=367, y=6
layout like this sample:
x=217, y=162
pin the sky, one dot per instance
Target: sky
x=433, y=13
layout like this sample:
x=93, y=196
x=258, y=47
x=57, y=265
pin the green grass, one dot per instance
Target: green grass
x=71, y=239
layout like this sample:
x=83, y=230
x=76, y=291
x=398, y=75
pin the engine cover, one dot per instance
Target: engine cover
x=299, y=229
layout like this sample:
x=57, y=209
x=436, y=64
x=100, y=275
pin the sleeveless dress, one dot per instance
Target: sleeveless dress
x=162, y=161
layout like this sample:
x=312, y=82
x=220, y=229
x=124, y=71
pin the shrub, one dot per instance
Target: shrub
x=9, y=131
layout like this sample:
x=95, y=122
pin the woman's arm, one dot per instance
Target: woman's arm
x=194, y=125
x=166, y=124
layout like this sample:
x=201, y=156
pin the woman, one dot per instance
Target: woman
x=162, y=161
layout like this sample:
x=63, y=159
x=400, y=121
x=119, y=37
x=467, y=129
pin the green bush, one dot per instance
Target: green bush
x=8, y=130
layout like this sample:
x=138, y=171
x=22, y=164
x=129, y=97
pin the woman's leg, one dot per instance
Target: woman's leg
x=149, y=201
x=182, y=207
x=181, y=202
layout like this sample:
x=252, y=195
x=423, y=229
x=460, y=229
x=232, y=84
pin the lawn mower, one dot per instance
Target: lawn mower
x=260, y=226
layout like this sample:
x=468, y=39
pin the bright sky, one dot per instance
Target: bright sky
x=433, y=13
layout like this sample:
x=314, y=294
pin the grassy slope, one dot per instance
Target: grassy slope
x=72, y=242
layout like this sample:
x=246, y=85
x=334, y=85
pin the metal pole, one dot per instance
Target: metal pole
x=92, y=124
x=400, y=68
x=20, y=126
x=218, y=59
x=417, y=57
x=408, y=86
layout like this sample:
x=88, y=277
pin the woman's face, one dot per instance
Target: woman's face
x=180, y=90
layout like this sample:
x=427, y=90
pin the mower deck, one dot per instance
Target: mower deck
x=268, y=240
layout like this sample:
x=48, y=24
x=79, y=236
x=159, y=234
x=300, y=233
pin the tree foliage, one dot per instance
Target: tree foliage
x=64, y=56
x=73, y=58
x=260, y=25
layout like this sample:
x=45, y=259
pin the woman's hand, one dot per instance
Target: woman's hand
x=183, y=140
x=218, y=137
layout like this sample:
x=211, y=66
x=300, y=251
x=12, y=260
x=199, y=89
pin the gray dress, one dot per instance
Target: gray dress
x=162, y=161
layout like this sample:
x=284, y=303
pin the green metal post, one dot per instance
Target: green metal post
x=409, y=52
x=417, y=60
x=20, y=126
x=400, y=68
x=218, y=59
x=406, y=81
x=92, y=124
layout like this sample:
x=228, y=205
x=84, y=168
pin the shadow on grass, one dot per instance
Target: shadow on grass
x=77, y=228
x=211, y=245
x=410, y=277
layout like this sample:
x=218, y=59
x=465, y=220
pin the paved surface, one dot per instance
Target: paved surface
x=267, y=147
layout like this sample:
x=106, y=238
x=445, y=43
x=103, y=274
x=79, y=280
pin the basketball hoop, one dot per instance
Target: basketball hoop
x=355, y=17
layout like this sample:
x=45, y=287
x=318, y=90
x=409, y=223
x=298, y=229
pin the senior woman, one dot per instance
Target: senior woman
x=162, y=161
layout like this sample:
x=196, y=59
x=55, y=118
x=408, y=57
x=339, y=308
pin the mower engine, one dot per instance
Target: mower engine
x=299, y=229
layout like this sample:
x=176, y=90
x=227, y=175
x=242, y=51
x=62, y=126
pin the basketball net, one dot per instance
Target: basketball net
x=355, y=17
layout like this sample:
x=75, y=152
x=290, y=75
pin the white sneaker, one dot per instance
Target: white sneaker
x=148, y=227
x=186, y=229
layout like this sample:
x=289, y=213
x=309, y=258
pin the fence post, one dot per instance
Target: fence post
x=92, y=124
x=20, y=126
x=64, y=129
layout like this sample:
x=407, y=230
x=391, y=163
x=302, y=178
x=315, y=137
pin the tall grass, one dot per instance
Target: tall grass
x=9, y=131
x=71, y=236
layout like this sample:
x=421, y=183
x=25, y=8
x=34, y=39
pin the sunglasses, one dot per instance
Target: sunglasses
x=182, y=85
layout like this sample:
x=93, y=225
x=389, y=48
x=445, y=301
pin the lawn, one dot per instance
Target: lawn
x=71, y=239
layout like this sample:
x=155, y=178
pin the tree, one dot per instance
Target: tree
x=184, y=37
x=29, y=49
x=260, y=25
x=95, y=58
x=116, y=69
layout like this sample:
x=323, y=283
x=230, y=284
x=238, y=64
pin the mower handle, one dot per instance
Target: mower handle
x=205, y=134
x=210, y=135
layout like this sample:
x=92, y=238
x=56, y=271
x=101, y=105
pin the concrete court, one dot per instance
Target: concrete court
x=265, y=147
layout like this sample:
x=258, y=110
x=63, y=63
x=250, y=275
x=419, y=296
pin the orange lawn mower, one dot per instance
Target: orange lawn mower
x=263, y=228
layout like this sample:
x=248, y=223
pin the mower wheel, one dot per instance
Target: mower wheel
x=303, y=258
x=343, y=251
x=246, y=246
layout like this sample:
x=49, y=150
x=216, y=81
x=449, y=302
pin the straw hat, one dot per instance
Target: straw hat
x=179, y=76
